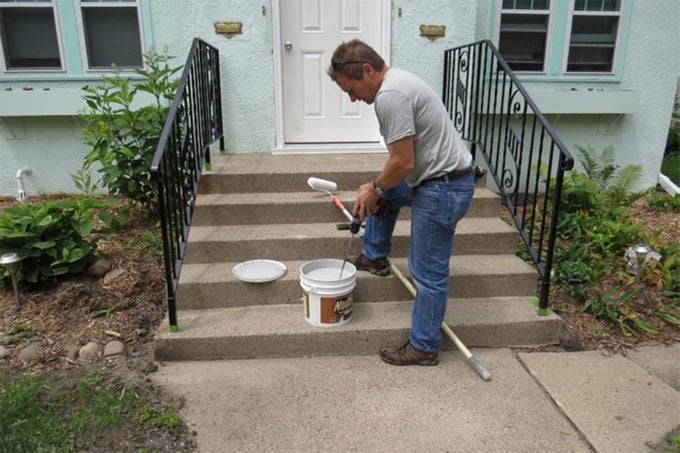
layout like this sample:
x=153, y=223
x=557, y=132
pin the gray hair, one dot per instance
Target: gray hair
x=349, y=57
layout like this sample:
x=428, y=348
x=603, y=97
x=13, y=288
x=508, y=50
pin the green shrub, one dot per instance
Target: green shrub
x=124, y=138
x=50, y=237
x=671, y=162
x=663, y=202
x=605, y=183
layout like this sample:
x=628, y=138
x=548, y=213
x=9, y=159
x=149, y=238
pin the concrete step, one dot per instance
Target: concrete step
x=282, y=330
x=212, y=285
x=300, y=207
x=264, y=172
x=306, y=241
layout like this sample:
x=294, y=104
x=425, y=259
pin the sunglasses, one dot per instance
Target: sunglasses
x=337, y=65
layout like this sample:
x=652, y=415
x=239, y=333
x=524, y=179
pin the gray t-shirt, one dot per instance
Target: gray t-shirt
x=407, y=106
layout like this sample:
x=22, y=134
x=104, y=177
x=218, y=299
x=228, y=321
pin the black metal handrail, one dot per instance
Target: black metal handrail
x=193, y=124
x=525, y=157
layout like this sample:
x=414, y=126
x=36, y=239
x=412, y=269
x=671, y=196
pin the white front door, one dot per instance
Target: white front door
x=313, y=109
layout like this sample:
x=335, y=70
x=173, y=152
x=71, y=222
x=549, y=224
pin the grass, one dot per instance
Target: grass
x=41, y=413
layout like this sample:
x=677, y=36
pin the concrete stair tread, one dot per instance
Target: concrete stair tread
x=475, y=276
x=461, y=265
x=299, y=231
x=289, y=319
x=282, y=330
x=310, y=196
x=259, y=164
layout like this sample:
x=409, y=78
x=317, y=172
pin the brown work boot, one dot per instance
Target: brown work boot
x=408, y=355
x=379, y=267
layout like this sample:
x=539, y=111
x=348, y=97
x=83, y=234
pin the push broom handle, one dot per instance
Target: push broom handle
x=472, y=360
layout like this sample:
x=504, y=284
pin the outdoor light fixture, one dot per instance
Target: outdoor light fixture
x=637, y=256
x=641, y=252
x=10, y=261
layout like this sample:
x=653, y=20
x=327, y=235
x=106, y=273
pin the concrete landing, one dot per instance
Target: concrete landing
x=557, y=402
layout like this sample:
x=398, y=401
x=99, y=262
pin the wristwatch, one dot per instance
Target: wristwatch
x=377, y=189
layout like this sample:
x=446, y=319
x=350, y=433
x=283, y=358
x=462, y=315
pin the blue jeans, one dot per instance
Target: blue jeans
x=436, y=208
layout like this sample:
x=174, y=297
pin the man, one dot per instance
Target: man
x=428, y=167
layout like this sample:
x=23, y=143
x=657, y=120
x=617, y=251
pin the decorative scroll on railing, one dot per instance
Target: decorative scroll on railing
x=194, y=122
x=524, y=155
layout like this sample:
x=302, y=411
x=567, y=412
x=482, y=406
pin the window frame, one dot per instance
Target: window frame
x=558, y=45
x=617, y=43
x=58, y=30
x=550, y=13
x=79, y=5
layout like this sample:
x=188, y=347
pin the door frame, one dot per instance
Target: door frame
x=280, y=146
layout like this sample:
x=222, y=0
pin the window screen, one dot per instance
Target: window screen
x=524, y=34
x=29, y=38
x=112, y=37
x=594, y=31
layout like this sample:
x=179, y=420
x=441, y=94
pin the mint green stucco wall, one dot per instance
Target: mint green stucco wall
x=52, y=146
x=247, y=71
x=649, y=71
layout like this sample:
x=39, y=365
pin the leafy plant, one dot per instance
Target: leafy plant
x=663, y=202
x=600, y=168
x=50, y=237
x=124, y=138
x=608, y=304
x=18, y=332
x=609, y=183
x=167, y=418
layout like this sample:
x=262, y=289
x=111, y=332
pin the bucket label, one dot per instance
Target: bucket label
x=336, y=309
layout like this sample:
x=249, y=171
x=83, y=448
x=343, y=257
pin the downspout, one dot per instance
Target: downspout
x=21, y=194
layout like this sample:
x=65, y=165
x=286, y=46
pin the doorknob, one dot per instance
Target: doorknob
x=288, y=46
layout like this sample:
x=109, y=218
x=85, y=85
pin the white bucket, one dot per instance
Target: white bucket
x=327, y=294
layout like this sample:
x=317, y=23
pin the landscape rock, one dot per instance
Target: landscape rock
x=30, y=353
x=114, y=348
x=99, y=268
x=4, y=352
x=71, y=349
x=114, y=275
x=89, y=352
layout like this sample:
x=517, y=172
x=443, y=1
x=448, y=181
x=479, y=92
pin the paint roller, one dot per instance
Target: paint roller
x=324, y=185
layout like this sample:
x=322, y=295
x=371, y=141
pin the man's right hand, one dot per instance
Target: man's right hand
x=366, y=202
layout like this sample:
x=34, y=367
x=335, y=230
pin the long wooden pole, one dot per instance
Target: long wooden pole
x=471, y=359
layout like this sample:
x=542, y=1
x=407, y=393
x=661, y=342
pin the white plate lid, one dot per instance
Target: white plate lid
x=259, y=271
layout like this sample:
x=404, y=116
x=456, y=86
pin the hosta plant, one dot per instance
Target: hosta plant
x=51, y=238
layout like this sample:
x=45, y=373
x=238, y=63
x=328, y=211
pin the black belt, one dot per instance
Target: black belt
x=453, y=174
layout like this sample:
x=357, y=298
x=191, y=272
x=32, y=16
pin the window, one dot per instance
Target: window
x=593, y=37
x=111, y=33
x=523, y=36
x=28, y=31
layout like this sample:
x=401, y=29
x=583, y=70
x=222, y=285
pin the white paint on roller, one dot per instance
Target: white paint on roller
x=322, y=184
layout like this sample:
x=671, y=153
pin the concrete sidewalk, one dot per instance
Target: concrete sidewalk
x=536, y=402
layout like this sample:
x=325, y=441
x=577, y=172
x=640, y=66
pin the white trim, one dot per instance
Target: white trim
x=550, y=12
x=668, y=185
x=280, y=146
x=278, y=74
x=567, y=38
x=60, y=39
x=79, y=5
